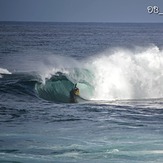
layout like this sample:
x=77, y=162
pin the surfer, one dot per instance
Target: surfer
x=74, y=92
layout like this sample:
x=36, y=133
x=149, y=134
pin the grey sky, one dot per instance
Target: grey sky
x=80, y=10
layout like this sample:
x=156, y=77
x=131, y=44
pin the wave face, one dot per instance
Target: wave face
x=54, y=86
x=58, y=86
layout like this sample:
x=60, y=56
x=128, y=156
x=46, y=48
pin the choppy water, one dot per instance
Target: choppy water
x=119, y=70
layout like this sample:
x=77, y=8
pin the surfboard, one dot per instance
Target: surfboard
x=80, y=99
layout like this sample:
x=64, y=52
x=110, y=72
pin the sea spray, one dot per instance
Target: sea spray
x=128, y=74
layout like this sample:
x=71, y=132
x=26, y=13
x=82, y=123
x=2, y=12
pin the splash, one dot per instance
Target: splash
x=129, y=74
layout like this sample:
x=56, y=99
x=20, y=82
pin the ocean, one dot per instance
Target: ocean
x=118, y=115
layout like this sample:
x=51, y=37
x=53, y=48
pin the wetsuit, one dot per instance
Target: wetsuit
x=72, y=96
x=74, y=92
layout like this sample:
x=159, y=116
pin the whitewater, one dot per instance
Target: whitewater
x=118, y=69
x=117, y=74
x=126, y=74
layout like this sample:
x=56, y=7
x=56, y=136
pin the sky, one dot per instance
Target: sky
x=81, y=10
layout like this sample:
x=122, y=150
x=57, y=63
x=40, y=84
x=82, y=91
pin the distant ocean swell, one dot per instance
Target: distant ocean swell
x=114, y=74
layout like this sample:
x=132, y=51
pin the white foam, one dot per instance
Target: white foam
x=4, y=71
x=128, y=74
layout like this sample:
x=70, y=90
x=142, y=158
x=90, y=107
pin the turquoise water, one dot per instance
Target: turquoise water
x=118, y=68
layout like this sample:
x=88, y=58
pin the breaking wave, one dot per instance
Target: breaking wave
x=115, y=74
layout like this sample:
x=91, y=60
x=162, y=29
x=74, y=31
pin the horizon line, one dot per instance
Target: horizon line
x=26, y=21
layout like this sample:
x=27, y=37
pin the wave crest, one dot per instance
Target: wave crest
x=4, y=71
